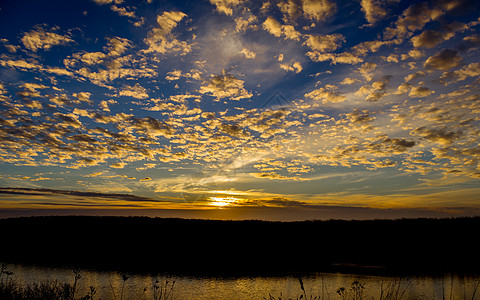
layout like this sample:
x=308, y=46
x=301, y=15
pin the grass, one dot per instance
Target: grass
x=356, y=291
x=49, y=290
x=53, y=290
x=394, y=289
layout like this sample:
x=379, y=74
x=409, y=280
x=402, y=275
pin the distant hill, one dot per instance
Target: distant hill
x=205, y=247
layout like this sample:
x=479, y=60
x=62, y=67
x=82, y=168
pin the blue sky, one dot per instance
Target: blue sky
x=240, y=109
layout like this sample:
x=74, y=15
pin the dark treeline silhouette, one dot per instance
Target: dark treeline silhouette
x=143, y=244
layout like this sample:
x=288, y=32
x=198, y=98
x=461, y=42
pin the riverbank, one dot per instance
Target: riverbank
x=208, y=247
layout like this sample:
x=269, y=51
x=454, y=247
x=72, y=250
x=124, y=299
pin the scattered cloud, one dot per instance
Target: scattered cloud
x=413, y=18
x=42, y=39
x=160, y=39
x=275, y=28
x=318, y=10
x=292, y=67
x=136, y=91
x=420, y=92
x=226, y=6
x=326, y=94
x=431, y=38
x=248, y=54
x=374, y=10
x=275, y=176
x=225, y=86
x=443, y=60
x=278, y=93
x=46, y=192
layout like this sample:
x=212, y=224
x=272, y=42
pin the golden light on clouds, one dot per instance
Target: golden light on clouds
x=233, y=103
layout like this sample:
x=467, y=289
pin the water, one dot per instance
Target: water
x=137, y=286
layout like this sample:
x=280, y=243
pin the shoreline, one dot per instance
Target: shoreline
x=244, y=248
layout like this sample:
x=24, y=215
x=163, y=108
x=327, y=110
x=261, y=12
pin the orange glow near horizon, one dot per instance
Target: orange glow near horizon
x=223, y=201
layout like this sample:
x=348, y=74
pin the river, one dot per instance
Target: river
x=111, y=285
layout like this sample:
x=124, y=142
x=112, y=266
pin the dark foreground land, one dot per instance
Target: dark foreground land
x=205, y=247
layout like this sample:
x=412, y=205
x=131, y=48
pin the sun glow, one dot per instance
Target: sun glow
x=223, y=201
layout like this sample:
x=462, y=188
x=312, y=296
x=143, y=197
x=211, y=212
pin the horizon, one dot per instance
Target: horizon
x=281, y=110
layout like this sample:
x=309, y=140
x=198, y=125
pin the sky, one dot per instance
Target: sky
x=240, y=109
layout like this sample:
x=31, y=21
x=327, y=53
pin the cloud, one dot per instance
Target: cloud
x=40, y=39
x=396, y=145
x=103, y=2
x=117, y=46
x=367, y=70
x=118, y=165
x=178, y=110
x=124, y=12
x=83, y=96
x=428, y=39
x=114, y=63
x=174, y=75
x=373, y=10
x=275, y=28
x=375, y=91
x=33, y=87
x=403, y=88
x=248, y=54
x=46, y=192
x=324, y=43
x=161, y=40
x=413, y=76
x=95, y=174
x=149, y=126
x=431, y=38
x=275, y=176
x=469, y=43
x=225, y=86
x=443, y=60
x=343, y=58
x=471, y=70
x=318, y=10
x=226, y=6
x=242, y=24
x=414, y=18
x=420, y=92
x=274, y=202
x=136, y=91
x=25, y=65
x=414, y=53
x=327, y=94
x=358, y=117
x=88, y=58
x=349, y=81
x=437, y=135
x=292, y=67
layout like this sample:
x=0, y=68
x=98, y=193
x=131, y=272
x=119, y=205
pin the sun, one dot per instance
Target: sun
x=223, y=201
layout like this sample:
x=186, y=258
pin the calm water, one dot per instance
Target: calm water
x=109, y=285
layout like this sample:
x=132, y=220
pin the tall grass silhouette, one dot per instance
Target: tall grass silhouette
x=53, y=290
x=392, y=289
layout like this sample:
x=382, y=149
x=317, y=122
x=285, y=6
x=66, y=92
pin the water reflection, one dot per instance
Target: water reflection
x=113, y=285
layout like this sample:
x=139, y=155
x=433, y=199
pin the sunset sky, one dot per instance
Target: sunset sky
x=289, y=109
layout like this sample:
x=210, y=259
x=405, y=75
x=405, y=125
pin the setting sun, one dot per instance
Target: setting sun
x=223, y=201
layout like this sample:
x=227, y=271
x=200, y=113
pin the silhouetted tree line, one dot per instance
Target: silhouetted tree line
x=243, y=247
